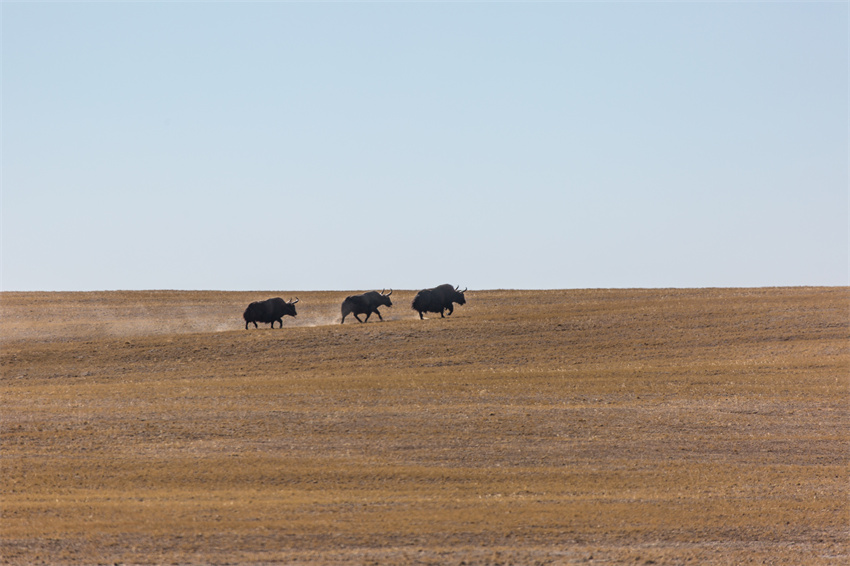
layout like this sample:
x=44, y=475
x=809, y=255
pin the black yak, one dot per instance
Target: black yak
x=438, y=299
x=367, y=303
x=270, y=310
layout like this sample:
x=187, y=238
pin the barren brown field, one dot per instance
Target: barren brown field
x=690, y=426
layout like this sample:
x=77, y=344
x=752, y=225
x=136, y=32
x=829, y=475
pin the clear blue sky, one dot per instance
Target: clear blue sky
x=298, y=146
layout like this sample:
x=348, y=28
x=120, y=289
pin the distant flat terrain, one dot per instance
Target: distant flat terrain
x=661, y=426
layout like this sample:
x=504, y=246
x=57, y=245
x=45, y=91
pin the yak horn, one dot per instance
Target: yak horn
x=293, y=302
x=388, y=294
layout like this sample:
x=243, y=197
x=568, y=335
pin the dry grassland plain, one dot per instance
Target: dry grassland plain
x=663, y=426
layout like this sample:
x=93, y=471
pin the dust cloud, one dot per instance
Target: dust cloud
x=118, y=314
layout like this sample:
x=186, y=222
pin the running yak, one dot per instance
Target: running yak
x=438, y=299
x=367, y=303
x=270, y=310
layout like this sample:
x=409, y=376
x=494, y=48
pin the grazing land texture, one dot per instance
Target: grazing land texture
x=660, y=426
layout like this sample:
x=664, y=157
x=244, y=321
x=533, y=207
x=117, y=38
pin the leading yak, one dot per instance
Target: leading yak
x=270, y=310
x=438, y=299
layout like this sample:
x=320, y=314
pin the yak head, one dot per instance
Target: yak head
x=459, y=298
x=289, y=308
x=385, y=299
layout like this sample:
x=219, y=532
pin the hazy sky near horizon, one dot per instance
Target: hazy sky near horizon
x=299, y=146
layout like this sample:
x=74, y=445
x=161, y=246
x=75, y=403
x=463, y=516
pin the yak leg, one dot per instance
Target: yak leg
x=451, y=309
x=441, y=313
x=377, y=312
x=358, y=318
x=420, y=316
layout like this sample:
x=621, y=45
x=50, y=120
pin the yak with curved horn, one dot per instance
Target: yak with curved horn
x=367, y=303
